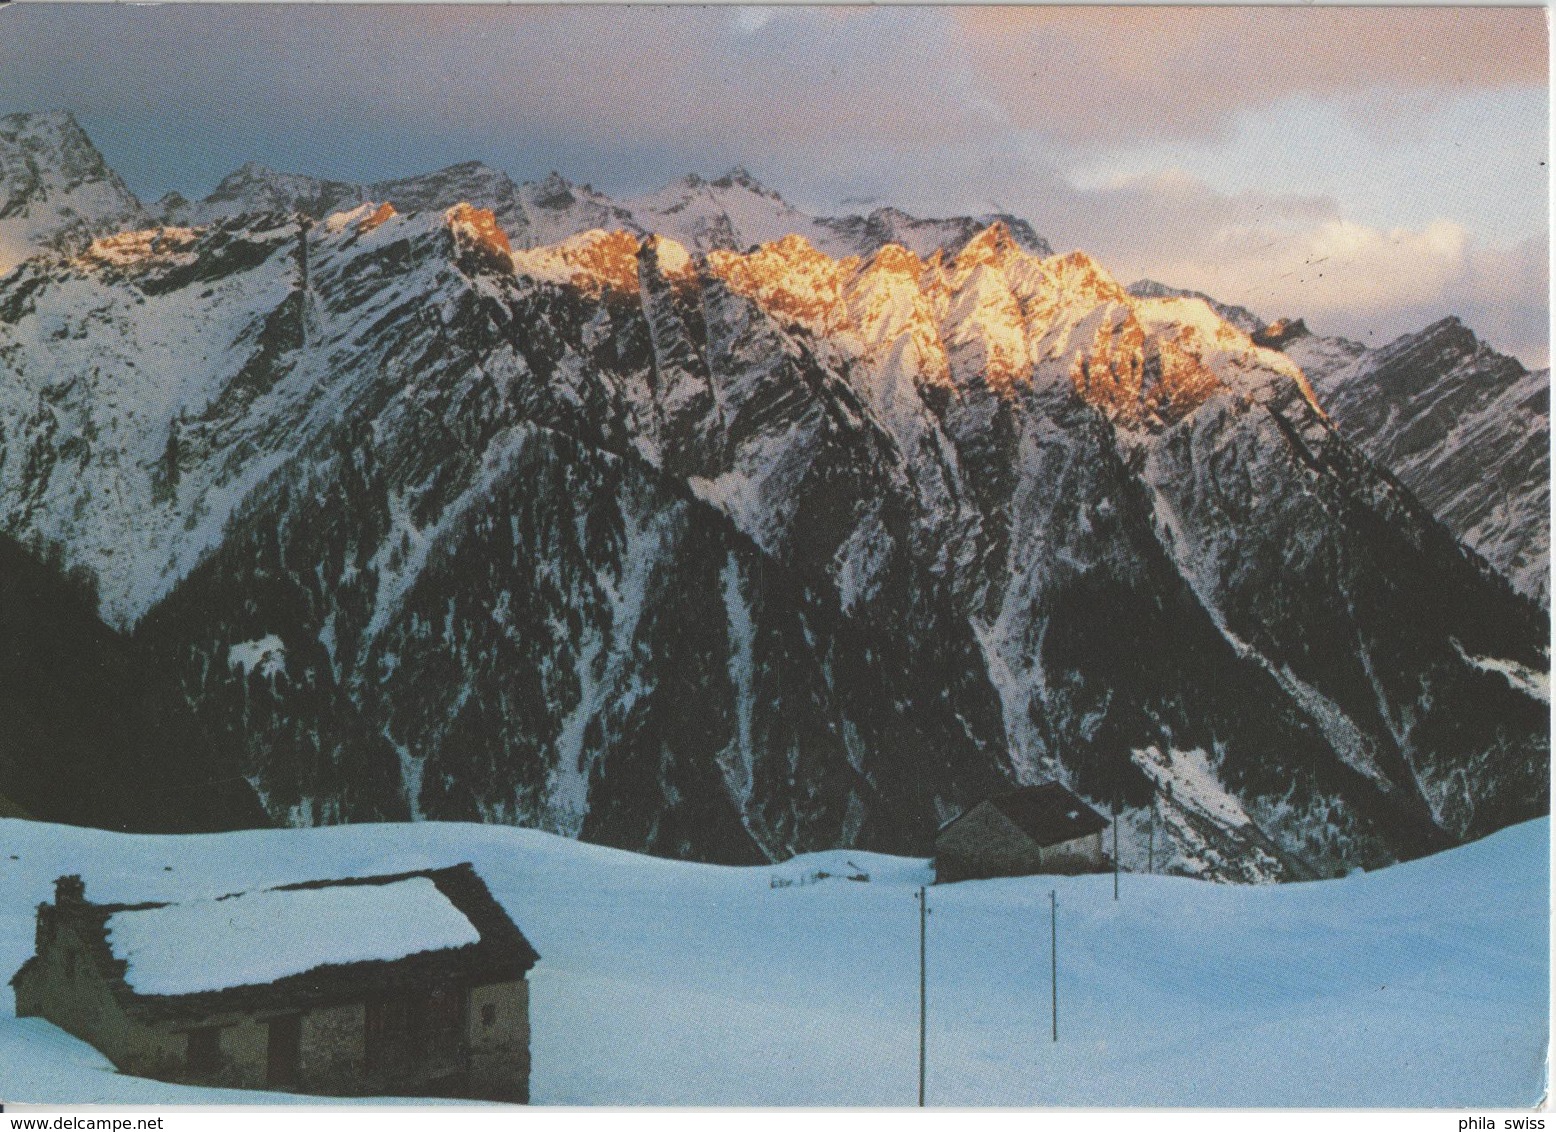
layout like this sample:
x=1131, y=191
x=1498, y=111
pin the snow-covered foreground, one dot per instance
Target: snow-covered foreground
x=669, y=983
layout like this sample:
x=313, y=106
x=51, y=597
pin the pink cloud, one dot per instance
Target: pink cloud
x=1089, y=73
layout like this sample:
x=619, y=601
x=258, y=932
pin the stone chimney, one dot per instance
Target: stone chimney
x=69, y=890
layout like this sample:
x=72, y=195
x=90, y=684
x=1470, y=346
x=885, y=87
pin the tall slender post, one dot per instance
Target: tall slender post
x=1115, y=849
x=1053, y=956
x=923, y=988
x=1150, y=852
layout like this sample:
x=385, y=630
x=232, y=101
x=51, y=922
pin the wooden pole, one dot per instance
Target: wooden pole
x=923, y=988
x=1150, y=853
x=1053, y=957
x=1115, y=849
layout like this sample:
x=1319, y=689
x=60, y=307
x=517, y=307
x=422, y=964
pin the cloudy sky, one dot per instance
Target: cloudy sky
x=1369, y=168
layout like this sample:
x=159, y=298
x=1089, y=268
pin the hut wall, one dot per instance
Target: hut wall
x=65, y=986
x=333, y=1049
x=1082, y=855
x=498, y=1036
x=245, y=1047
x=984, y=843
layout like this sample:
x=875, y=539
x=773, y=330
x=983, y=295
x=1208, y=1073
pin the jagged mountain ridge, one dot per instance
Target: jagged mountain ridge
x=736, y=212
x=900, y=529
x=1466, y=428
x=732, y=212
x=56, y=192
x=1240, y=317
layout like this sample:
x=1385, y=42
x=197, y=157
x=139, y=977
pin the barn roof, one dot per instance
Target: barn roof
x=300, y=945
x=1048, y=813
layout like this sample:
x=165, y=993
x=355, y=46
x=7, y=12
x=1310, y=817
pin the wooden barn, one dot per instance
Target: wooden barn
x=412, y=984
x=1034, y=829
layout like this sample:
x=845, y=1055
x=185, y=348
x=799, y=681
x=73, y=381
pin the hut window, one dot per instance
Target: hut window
x=204, y=1049
x=70, y=964
x=489, y=1014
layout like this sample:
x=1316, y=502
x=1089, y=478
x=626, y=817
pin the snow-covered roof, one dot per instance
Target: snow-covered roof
x=297, y=945
x=259, y=937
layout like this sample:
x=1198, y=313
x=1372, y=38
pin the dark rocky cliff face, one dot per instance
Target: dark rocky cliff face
x=1465, y=428
x=740, y=556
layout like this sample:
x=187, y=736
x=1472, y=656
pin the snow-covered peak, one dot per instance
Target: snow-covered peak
x=670, y=259
x=1466, y=428
x=731, y=213
x=735, y=212
x=470, y=182
x=54, y=137
x=1000, y=316
x=42, y=122
x=792, y=280
x=553, y=209
x=477, y=233
x=56, y=191
x=993, y=245
x=741, y=176
x=1281, y=333
x=1240, y=317
x=897, y=260
x=592, y=262
x=1079, y=276
x=167, y=246
x=364, y=217
x=254, y=188
x=1198, y=353
x=863, y=235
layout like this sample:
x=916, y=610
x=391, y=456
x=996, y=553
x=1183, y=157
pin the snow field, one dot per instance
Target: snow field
x=670, y=983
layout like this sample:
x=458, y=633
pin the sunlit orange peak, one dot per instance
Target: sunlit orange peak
x=672, y=259
x=1077, y=271
x=481, y=226
x=898, y=259
x=993, y=245
x=602, y=258
x=378, y=216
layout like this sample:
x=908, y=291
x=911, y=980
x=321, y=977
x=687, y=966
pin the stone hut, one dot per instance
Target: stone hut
x=411, y=984
x=1035, y=829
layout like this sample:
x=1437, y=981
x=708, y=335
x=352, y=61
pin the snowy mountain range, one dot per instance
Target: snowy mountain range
x=732, y=212
x=726, y=545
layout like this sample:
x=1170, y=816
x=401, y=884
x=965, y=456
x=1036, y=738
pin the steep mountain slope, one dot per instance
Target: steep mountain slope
x=56, y=192
x=94, y=734
x=1465, y=428
x=746, y=554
